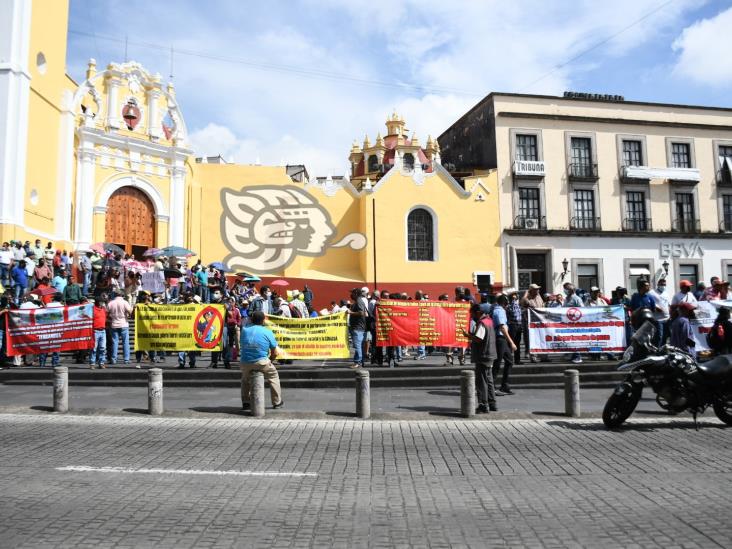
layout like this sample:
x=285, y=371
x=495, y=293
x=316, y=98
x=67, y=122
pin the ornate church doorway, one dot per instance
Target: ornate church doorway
x=130, y=221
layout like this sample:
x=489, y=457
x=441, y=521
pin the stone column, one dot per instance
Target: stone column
x=61, y=389
x=84, y=196
x=155, y=391
x=571, y=393
x=113, y=106
x=467, y=393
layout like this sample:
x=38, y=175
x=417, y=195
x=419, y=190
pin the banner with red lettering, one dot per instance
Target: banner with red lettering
x=431, y=323
x=55, y=329
x=577, y=329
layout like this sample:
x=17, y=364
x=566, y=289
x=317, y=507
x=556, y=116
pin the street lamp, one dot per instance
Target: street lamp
x=565, y=265
x=665, y=266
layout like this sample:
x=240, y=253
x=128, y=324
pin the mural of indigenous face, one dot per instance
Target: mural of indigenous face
x=266, y=227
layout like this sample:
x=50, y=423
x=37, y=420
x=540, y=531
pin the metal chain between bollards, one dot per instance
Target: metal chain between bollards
x=467, y=393
x=571, y=393
x=363, y=394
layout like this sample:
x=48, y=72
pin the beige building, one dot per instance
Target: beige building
x=598, y=190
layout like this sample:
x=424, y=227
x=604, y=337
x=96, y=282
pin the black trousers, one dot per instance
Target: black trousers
x=515, y=330
x=504, y=354
x=484, y=385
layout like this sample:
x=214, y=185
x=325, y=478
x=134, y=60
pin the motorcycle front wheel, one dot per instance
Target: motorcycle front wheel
x=723, y=408
x=621, y=404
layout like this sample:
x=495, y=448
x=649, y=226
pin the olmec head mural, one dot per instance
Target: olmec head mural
x=265, y=227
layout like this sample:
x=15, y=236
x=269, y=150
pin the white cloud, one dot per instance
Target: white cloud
x=703, y=49
x=457, y=51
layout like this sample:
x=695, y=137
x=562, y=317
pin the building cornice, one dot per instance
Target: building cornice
x=607, y=120
x=617, y=234
x=100, y=137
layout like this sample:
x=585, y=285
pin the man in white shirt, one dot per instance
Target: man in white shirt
x=6, y=259
x=662, y=312
x=685, y=294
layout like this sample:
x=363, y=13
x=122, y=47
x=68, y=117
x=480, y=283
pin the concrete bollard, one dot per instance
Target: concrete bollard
x=467, y=393
x=363, y=394
x=61, y=389
x=155, y=391
x=257, y=402
x=571, y=393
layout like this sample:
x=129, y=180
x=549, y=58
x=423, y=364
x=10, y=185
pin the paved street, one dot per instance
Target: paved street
x=237, y=482
x=397, y=403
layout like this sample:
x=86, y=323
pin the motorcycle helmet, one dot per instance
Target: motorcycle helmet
x=639, y=317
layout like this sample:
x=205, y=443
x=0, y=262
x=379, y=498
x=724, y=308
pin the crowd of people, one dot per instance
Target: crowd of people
x=37, y=276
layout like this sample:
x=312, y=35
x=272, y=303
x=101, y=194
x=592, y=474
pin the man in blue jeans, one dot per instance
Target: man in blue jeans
x=118, y=311
x=357, y=322
x=19, y=276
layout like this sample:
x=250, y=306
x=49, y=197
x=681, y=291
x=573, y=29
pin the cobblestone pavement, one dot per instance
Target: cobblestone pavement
x=350, y=483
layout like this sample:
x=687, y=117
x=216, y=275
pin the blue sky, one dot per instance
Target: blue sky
x=297, y=81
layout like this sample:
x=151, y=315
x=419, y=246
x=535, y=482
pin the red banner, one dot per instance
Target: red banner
x=48, y=330
x=430, y=323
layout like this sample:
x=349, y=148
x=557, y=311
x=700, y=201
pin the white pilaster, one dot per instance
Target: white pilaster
x=65, y=170
x=113, y=107
x=176, y=223
x=15, y=22
x=84, y=222
x=153, y=121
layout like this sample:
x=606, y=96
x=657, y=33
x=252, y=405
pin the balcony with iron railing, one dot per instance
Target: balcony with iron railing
x=583, y=223
x=686, y=226
x=637, y=224
x=529, y=223
x=725, y=226
x=582, y=171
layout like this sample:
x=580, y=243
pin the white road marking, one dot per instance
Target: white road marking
x=86, y=469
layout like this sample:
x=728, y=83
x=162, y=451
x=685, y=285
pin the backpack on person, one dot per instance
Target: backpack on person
x=294, y=311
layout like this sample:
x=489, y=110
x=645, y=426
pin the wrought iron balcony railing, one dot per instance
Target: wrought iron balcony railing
x=585, y=223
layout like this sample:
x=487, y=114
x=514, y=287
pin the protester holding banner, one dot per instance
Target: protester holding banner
x=682, y=336
x=55, y=303
x=119, y=311
x=258, y=349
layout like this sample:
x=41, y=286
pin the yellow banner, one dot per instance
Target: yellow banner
x=309, y=338
x=189, y=327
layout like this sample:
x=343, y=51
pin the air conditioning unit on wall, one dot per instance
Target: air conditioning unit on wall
x=531, y=223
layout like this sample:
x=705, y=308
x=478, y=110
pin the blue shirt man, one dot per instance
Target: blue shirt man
x=642, y=299
x=257, y=345
x=19, y=275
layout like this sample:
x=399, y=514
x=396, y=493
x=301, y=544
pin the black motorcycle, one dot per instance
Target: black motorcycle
x=680, y=383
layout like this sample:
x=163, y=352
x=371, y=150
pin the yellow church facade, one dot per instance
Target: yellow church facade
x=108, y=160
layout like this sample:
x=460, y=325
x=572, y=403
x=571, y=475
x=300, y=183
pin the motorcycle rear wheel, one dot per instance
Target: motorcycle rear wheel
x=619, y=406
x=723, y=409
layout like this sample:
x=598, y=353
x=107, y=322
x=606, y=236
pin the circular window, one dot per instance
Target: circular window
x=41, y=63
x=34, y=197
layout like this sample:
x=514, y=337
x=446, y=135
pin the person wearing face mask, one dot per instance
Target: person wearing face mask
x=262, y=302
x=662, y=311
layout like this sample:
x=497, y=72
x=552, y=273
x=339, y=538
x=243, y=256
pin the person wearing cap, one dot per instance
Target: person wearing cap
x=595, y=298
x=515, y=315
x=685, y=294
x=505, y=347
x=531, y=300
x=662, y=312
x=482, y=338
x=717, y=291
x=682, y=335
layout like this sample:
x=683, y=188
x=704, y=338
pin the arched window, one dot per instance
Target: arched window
x=408, y=162
x=420, y=235
x=373, y=163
